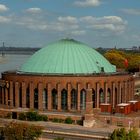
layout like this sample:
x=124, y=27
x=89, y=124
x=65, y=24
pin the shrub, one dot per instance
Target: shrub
x=59, y=138
x=31, y=116
x=8, y=116
x=79, y=122
x=45, y=118
x=22, y=116
x=68, y=120
x=55, y=120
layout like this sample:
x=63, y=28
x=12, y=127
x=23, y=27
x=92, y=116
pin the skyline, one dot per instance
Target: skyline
x=98, y=23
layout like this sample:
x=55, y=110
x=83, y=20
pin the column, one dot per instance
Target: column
x=31, y=89
x=119, y=91
x=16, y=94
x=113, y=94
x=23, y=94
x=117, y=87
x=97, y=92
x=88, y=117
x=6, y=96
x=11, y=94
x=106, y=91
x=49, y=97
x=125, y=92
x=3, y=95
x=59, y=97
x=128, y=91
x=78, y=97
x=89, y=102
x=40, y=96
x=69, y=96
x=132, y=89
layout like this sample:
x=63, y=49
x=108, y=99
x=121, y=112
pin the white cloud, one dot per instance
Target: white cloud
x=4, y=19
x=3, y=8
x=78, y=32
x=34, y=10
x=87, y=3
x=32, y=23
x=111, y=23
x=68, y=19
x=131, y=11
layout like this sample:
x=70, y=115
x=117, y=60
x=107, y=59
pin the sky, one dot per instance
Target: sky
x=98, y=23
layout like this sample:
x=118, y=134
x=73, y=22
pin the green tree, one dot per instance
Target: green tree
x=21, y=131
x=122, y=134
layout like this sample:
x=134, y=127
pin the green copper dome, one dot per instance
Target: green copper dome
x=67, y=56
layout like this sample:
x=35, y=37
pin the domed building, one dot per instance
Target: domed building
x=66, y=76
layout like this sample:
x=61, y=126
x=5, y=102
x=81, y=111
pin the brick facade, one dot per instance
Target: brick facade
x=44, y=92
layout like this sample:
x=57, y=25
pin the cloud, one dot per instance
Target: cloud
x=68, y=19
x=78, y=32
x=110, y=23
x=87, y=3
x=131, y=11
x=4, y=19
x=3, y=8
x=32, y=23
x=34, y=10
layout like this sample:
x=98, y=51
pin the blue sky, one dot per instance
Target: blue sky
x=98, y=23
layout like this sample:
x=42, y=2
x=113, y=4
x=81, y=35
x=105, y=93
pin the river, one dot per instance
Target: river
x=12, y=62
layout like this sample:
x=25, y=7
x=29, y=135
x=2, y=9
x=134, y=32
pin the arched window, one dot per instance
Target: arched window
x=93, y=98
x=73, y=99
x=108, y=95
x=64, y=99
x=54, y=99
x=20, y=97
x=83, y=99
x=45, y=99
x=27, y=98
x=101, y=96
x=36, y=98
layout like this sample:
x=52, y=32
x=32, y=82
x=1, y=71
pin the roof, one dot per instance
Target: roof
x=67, y=56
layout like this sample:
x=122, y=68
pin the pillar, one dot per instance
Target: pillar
x=69, y=96
x=78, y=97
x=128, y=92
x=31, y=89
x=132, y=89
x=125, y=91
x=3, y=95
x=16, y=94
x=6, y=96
x=119, y=91
x=106, y=91
x=23, y=85
x=97, y=91
x=59, y=97
x=11, y=94
x=40, y=96
x=49, y=97
x=113, y=94
x=89, y=121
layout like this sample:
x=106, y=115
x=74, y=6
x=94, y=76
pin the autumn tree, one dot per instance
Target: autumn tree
x=21, y=131
x=119, y=58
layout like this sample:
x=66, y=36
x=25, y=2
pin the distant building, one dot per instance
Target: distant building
x=66, y=76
